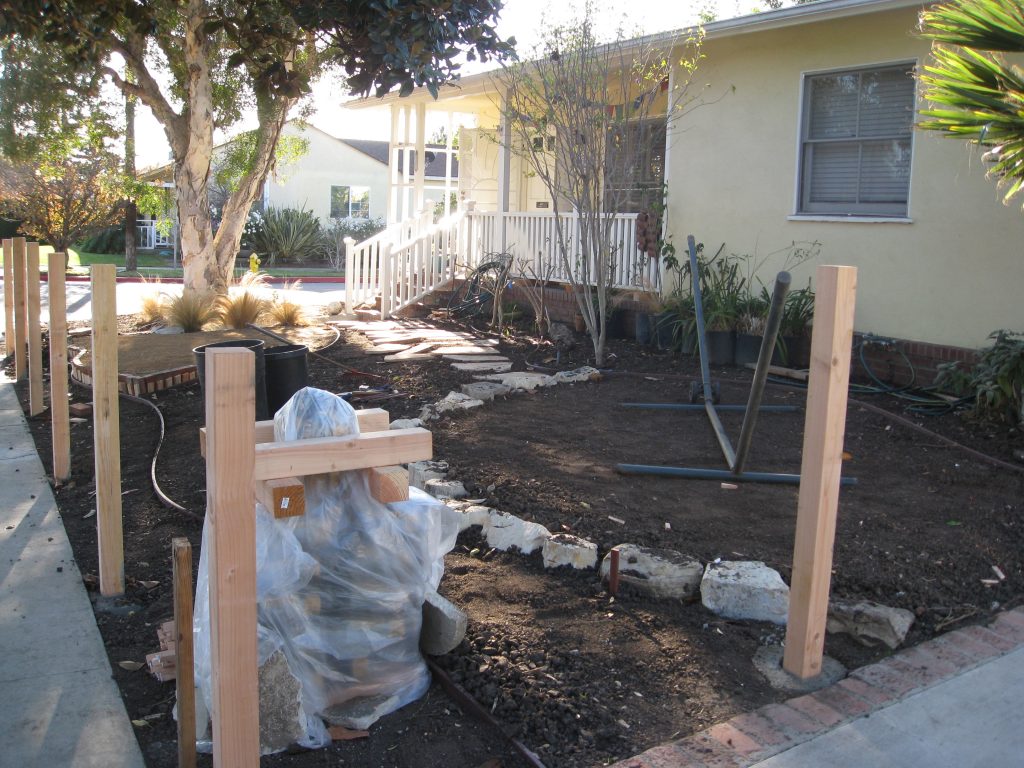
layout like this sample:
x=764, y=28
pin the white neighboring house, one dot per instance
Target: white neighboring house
x=335, y=179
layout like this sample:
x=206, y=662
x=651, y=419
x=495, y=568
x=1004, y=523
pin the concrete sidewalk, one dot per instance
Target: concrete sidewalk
x=951, y=702
x=59, y=705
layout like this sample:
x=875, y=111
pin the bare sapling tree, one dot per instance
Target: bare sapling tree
x=591, y=118
x=537, y=274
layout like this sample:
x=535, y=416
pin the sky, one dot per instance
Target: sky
x=523, y=19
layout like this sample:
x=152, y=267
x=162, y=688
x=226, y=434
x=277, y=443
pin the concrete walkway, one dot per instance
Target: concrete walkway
x=952, y=702
x=59, y=705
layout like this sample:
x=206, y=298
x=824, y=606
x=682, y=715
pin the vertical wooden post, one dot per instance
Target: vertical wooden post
x=824, y=427
x=59, y=424
x=8, y=246
x=230, y=501
x=20, y=310
x=36, y=404
x=181, y=555
x=106, y=429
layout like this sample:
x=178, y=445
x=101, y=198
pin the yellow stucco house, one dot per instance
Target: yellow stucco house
x=808, y=137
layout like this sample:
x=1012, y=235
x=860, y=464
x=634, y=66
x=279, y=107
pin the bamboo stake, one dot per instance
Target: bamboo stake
x=36, y=402
x=230, y=458
x=20, y=310
x=59, y=424
x=820, y=470
x=106, y=429
x=181, y=553
x=8, y=246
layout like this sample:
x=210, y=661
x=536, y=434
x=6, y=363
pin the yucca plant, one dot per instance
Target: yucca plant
x=287, y=234
x=190, y=311
x=975, y=93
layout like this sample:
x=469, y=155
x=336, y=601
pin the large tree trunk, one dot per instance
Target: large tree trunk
x=131, y=211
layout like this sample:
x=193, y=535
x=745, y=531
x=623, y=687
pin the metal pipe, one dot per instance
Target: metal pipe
x=698, y=305
x=719, y=407
x=764, y=358
x=699, y=473
x=723, y=439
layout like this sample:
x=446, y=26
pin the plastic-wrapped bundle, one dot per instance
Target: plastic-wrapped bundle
x=340, y=589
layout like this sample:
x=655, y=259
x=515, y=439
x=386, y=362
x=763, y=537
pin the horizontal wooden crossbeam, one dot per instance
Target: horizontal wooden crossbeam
x=370, y=420
x=321, y=455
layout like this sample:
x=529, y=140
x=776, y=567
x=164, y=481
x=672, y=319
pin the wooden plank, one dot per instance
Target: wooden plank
x=8, y=249
x=181, y=556
x=339, y=454
x=820, y=469
x=777, y=370
x=283, y=497
x=60, y=426
x=369, y=420
x=230, y=413
x=388, y=484
x=106, y=429
x=36, y=398
x=20, y=311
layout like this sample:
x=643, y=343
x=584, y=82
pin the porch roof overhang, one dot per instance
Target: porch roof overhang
x=478, y=91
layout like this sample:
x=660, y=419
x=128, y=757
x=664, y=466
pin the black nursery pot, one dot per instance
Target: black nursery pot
x=287, y=373
x=256, y=345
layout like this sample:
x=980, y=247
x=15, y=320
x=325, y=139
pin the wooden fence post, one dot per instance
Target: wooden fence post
x=20, y=310
x=106, y=429
x=8, y=246
x=820, y=469
x=59, y=424
x=36, y=403
x=230, y=505
x=181, y=555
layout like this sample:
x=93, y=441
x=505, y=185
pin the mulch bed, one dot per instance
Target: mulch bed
x=578, y=677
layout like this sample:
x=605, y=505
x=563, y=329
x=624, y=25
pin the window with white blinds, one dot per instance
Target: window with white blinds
x=856, y=141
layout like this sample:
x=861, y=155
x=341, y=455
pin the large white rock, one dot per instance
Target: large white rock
x=422, y=471
x=453, y=401
x=521, y=381
x=485, y=390
x=870, y=623
x=745, y=590
x=565, y=549
x=446, y=489
x=505, y=531
x=661, y=573
x=475, y=514
x=586, y=373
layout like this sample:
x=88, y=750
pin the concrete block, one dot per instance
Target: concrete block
x=660, y=573
x=422, y=471
x=745, y=590
x=444, y=625
x=870, y=623
x=526, y=382
x=505, y=531
x=586, y=373
x=565, y=549
x=485, y=390
x=446, y=489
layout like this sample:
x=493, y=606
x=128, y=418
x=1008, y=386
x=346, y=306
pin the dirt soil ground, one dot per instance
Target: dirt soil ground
x=576, y=676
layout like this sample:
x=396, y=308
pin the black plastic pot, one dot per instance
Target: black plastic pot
x=256, y=345
x=643, y=326
x=797, y=352
x=748, y=347
x=721, y=347
x=664, y=328
x=287, y=373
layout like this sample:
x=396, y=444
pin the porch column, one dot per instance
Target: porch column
x=504, y=171
x=421, y=156
x=450, y=142
x=393, y=153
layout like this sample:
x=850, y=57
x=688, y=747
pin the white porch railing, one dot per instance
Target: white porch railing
x=408, y=261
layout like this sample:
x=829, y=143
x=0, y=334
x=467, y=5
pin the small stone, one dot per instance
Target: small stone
x=564, y=549
x=870, y=623
x=745, y=590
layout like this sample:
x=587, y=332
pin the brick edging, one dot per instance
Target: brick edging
x=754, y=736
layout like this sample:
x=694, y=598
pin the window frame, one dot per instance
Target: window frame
x=868, y=211
x=360, y=208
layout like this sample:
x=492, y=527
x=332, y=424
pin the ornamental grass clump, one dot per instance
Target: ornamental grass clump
x=191, y=312
x=283, y=311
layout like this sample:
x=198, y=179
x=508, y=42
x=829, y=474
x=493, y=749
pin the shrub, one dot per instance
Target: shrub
x=287, y=234
x=333, y=241
x=190, y=311
x=109, y=240
x=996, y=382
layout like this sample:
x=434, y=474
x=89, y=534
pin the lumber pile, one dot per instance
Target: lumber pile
x=163, y=663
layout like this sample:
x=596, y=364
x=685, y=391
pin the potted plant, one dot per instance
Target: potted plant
x=722, y=294
x=750, y=328
x=797, y=314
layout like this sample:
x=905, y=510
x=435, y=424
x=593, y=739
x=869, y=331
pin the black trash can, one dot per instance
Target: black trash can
x=256, y=345
x=287, y=373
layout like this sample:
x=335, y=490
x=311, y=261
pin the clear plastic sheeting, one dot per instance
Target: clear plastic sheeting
x=340, y=589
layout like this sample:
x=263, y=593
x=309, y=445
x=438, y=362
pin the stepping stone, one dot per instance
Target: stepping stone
x=525, y=381
x=463, y=350
x=387, y=349
x=481, y=358
x=496, y=366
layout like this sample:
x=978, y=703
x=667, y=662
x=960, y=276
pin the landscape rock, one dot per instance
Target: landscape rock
x=870, y=623
x=406, y=423
x=282, y=722
x=475, y=514
x=446, y=489
x=444, y=625
x=586, y=373
x=660, y=573
x=497, y=366
x=560, y=333
x=485, y=390
x=747, y=590
x=516, y=381
x=505, y=531
x=453, y=401
x=422, y=471
x=565, y=549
